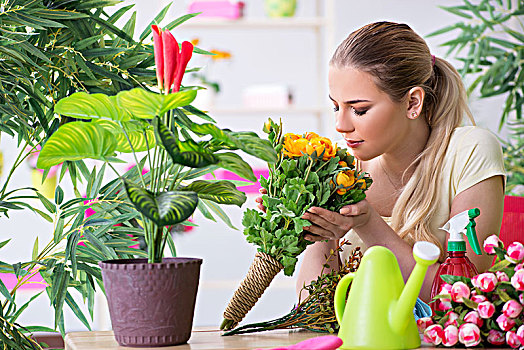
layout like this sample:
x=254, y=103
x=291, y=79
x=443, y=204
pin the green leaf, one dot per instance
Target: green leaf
x=147, y=105
x=456, y=11
x=59, y=195
x=222, y=192
x=158, y=18
x=135, y=132
x=233, y=162
x=5, y=292
x=193, y=159
x=215, y=208
x=500, y=265
x=75, y=141
x=252, y=144
x=76, y=310
x=50, y=206
x=180, y=20
x=34, y=254
x=3, y=243
x=82, y=105
x=165, y=208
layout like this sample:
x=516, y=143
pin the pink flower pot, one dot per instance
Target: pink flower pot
x=151, y=304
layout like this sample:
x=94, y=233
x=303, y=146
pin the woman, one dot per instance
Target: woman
x=400, y=109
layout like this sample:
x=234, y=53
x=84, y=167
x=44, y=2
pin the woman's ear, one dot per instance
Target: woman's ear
x=415, y=102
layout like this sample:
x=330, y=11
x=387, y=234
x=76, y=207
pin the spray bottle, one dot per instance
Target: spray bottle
x=457, y=263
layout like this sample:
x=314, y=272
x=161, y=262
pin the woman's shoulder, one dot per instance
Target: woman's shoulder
x=468, y=136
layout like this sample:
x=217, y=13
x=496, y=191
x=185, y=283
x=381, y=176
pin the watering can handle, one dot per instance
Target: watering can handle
x=340, y=296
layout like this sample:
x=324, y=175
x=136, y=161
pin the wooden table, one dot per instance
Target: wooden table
x=200, y=339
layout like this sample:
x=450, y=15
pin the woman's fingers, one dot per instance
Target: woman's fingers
x=328, y=224
x=355, y=209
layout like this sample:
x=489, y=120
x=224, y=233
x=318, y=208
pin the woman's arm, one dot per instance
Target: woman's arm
x=487, y=195
x=313, y=263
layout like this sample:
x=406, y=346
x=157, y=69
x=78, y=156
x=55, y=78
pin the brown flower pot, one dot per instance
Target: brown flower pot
x=151, y=304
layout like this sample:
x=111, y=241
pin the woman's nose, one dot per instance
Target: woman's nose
x=343, y=122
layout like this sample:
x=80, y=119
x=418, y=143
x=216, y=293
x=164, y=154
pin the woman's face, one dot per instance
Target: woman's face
x=370, y=122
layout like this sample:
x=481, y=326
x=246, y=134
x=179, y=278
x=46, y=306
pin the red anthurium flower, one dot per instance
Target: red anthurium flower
x=159, y=55
x=185, y=56
x=171, y=54
x=170, y=62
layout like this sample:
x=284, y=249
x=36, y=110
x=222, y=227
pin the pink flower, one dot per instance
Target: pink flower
x=521, y=298
x=520, y=334
x=487, y=281
x=473, y=317
x=502, y=276
x=517, y=280
x=515, y=252
x=486, y=309
x=474, y=281
x=452, y=318
x=450, y=336
x=505, y=323
x=479, y=298
x=495, y=337
x=434, y=334
x=512, y=308
x=159, y=54
x=519, y=267
x=444, y=304
x=491, y=242
x=423, y=323
x=459, y=290
x=512, y=339
x=469, y=334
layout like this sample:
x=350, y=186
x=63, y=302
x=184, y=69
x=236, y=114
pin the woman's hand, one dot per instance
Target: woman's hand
x=259, y=200
x=331, y=225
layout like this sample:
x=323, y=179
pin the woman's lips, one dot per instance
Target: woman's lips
x=354, y=143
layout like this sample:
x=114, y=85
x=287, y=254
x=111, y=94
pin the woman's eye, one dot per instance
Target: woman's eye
x=335, y=109
x=359, y=112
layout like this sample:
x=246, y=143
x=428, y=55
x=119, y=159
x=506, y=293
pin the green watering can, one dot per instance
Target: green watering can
x=378, y=313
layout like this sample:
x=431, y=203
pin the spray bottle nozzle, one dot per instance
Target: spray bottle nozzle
x=459, y=224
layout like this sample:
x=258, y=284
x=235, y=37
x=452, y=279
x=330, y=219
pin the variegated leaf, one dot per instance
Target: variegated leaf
x=193, y=159
x=164, y=208
x=222, y=192
x=147, y=105
x=76, y=141
x=135, y=133
x=82, y=105
x=233, y=162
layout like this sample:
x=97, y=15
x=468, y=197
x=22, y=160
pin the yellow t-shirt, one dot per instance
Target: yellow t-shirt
x=474, y=154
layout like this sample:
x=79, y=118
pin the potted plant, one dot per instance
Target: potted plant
x=151, y=301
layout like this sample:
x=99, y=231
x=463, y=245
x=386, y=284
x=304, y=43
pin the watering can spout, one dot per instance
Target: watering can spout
x=401, y=311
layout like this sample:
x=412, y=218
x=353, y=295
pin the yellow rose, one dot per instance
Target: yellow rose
x=311, y=135
x=294, y=145
x=322, y=144
x=346, y=179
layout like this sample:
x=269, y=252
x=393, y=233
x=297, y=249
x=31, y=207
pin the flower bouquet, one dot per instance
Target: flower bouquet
x=485, y=310
x=310, y=172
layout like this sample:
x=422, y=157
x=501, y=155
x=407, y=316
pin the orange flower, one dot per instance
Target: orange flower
x=321, y=144
x=294, y=145
x=362, y=184
x=343, y=164
x=346, y=179
x=311, y=135
x=220, y=55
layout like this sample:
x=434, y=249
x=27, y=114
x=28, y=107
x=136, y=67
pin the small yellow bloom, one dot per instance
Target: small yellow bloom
x=362, y=184
x=195, y=41
x=294, y=145
x=220, y=55
x=346, y=179
x=343, y=164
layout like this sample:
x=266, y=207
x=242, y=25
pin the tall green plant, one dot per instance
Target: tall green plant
x=490, y=43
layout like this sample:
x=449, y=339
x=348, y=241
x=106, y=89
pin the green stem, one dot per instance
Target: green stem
x=307, y=175
x=134, y=155
x=15, y=165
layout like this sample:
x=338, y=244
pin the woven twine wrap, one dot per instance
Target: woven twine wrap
x=261, y=272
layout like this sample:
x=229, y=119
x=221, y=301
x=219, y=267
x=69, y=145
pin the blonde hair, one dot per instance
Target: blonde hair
x=399, y=60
